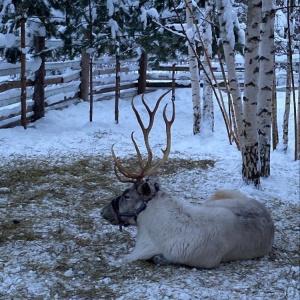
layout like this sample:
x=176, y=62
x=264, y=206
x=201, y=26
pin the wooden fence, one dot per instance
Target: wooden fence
x=64, y=83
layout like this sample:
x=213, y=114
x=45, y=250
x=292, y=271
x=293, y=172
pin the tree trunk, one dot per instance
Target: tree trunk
x=275, y=137
x=298, y=115
x=286, y=114
x=193, y=66
x=142, y=82
x=289, y=78
x=39, y=82
x=84, y=75
x=250, y=169
x=208, y=105
x=225, y=9
x=265, y=84
x=91, y=61
x=23, y=74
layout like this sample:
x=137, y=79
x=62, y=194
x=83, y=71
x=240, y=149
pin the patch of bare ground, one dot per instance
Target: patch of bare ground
x=54, y=244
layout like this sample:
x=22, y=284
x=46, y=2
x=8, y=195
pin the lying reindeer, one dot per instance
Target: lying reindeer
x=228, y=227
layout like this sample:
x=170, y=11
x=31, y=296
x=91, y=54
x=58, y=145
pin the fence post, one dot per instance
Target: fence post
x=141, y=89
x=39, y=82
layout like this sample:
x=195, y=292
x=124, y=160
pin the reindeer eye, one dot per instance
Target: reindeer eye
x=126, y=195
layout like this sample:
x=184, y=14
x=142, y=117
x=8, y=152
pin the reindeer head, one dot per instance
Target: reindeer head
x=124, y=209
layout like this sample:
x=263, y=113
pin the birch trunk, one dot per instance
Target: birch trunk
x=193, y=66
x=208, y=105
x=250, y=169
x=298, y=115
x=287, y=108
x=227, y=36
x=265, y=84
x=275, y=137
x=289, y=75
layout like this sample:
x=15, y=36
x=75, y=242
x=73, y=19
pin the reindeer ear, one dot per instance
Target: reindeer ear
x=145, y=188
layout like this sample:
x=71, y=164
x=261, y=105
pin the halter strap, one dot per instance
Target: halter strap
x=115, y=204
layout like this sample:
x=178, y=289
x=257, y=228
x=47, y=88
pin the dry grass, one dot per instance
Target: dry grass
x=50, y=209
x=51, y=232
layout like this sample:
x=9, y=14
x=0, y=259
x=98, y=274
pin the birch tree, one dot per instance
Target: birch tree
x=250, y=169
x=226, y=15
x=298, y=114
x=193, y=66
x=287, y=108
x=289, y=73
x=208, y=107
x=265, y=84
x=275, y=136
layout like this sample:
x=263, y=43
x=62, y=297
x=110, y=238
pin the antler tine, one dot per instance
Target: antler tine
x=125, y=172
x=165, y=151
x=120, y=178
x=147, y=130
x=139, y=156
x=144, y=130
x=145, y=169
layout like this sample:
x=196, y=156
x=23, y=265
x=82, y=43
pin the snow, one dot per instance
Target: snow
x=114, y=27
x=228, y=15
x=143, y=17
x=2, y=40
x=145, y=13
x=7, y=40
x=68, y=134
x=280, y=22
x=36, y=26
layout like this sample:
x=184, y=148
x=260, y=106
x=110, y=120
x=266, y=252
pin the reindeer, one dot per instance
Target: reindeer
x=228, y=227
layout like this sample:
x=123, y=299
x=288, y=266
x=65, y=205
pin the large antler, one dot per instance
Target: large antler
x=147, y=168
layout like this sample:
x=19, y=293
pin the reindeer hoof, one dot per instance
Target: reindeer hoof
x=160, y=260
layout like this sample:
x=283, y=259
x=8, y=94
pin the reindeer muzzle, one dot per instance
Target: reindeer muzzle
x=116, y=205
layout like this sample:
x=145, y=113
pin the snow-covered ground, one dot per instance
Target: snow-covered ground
x=46, y=267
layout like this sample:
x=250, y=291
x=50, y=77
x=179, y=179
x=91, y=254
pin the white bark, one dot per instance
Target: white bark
x=265, y=84
x=208, y=105
x=193, y=66
x=286, y=115
x=250, y=146
x=298, y=116
x=226, y=33
x=290, y=77
x=275, y=137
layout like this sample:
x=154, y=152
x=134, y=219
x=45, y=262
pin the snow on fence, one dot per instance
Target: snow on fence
x=62, y=85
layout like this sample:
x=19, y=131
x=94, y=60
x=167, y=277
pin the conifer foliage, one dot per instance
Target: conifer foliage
x=139, y=25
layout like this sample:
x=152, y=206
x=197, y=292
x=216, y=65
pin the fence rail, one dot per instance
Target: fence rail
x=63, y=83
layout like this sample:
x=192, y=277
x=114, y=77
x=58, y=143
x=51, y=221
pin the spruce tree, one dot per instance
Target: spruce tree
x=11, y=16
x=144, y=26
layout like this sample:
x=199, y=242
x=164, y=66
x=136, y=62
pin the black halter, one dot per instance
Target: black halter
x=115, y=204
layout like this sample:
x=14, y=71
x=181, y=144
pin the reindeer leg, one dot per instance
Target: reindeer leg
x=143, y=250
x=159, y=259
